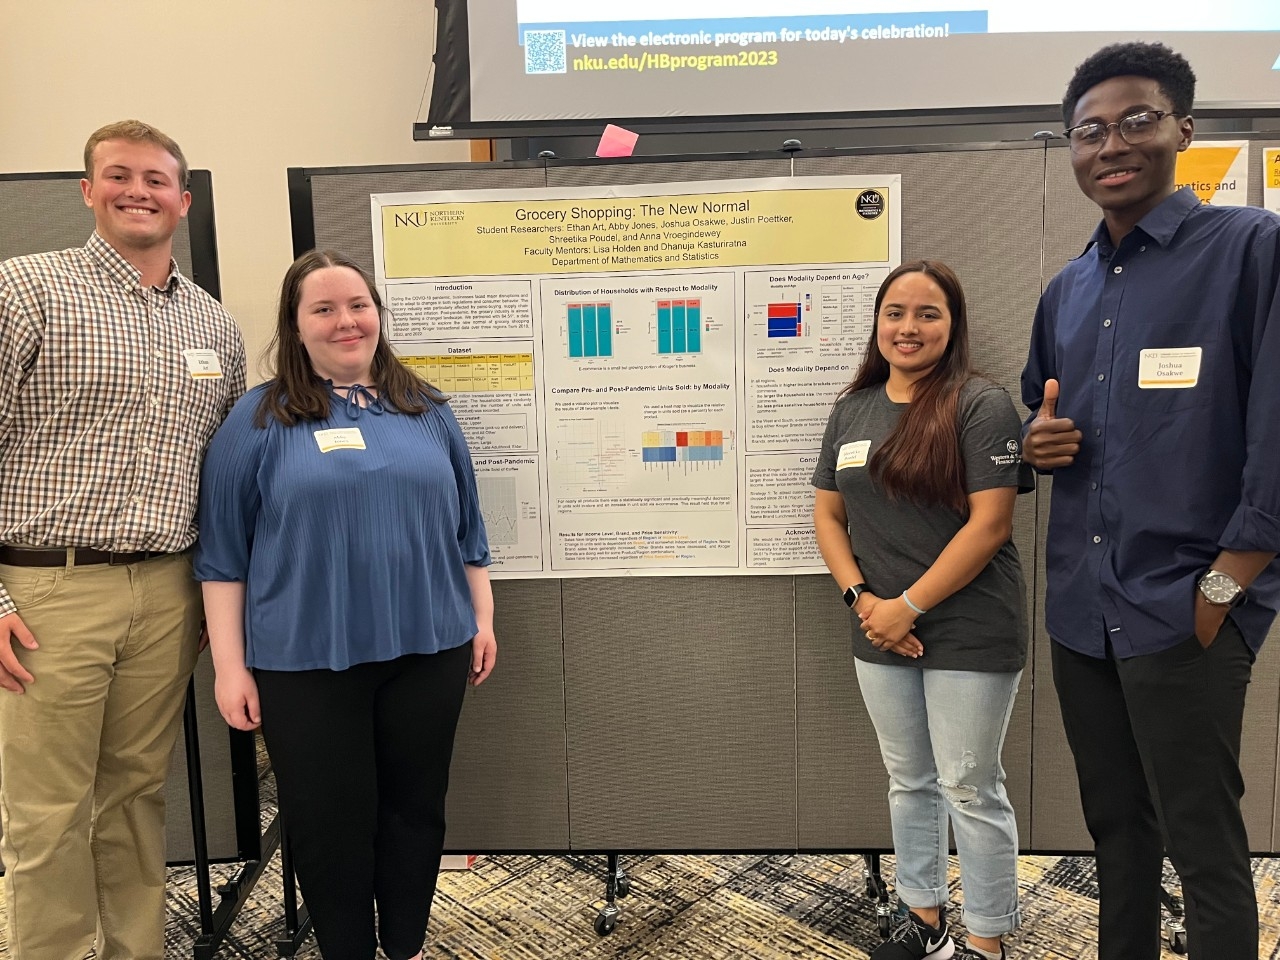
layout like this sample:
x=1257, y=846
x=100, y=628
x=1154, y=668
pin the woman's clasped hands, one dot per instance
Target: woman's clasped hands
x=887, y=624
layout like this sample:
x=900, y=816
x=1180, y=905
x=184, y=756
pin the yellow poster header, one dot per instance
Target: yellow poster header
x=495, y=238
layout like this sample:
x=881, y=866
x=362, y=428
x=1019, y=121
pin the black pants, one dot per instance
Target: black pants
x=361, y=759
x=1156, y=740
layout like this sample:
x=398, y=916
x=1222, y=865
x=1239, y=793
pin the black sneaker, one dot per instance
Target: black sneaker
x=913, y=939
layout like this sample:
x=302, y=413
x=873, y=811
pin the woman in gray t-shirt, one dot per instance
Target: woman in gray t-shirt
x=916, y=482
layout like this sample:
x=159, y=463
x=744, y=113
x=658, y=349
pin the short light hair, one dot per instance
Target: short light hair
x=135, y=131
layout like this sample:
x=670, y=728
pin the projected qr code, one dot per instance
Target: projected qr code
x=544, y=51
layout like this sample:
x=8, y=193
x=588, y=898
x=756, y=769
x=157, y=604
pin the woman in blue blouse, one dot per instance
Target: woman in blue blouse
x=344, y=561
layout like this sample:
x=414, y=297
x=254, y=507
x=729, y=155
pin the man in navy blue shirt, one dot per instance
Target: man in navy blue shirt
x=1154, y=377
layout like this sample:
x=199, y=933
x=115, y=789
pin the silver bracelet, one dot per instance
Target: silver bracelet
x=907, y=601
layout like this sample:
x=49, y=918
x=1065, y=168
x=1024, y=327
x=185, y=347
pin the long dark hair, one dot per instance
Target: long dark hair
x=297, y=392
x=920, y=460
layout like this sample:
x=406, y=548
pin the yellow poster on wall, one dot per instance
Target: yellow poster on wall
x=1217, y=170
x=1271, y=179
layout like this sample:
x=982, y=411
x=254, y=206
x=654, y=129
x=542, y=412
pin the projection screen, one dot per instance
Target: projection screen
x=541, y=67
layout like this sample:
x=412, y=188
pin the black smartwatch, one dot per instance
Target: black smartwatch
x=851, y=594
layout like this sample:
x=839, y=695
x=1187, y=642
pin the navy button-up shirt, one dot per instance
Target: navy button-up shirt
x=1166, y=476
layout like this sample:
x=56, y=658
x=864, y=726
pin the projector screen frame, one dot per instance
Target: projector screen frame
x=448, y=99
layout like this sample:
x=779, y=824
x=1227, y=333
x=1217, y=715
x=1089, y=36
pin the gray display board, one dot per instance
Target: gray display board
x=723, y=713
x=45, y=211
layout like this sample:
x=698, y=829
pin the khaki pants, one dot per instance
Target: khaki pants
x=84, y=753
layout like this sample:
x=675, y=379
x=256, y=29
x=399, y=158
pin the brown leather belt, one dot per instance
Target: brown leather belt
x=57, y=556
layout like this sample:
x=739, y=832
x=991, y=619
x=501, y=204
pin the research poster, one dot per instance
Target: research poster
x=1271, y=179
x=643, y=374
x=1217, y=170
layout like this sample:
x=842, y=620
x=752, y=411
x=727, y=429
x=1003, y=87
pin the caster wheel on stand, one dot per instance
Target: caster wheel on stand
x=606, y=921
x=884, y=922
x=1175, y=930
x=1176, y=935
x=616, y=884
x=878, y=890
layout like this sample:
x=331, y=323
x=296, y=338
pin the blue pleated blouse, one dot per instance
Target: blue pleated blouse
x=348, y=555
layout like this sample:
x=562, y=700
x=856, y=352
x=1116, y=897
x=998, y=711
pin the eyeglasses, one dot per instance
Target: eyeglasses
x=1134, y=129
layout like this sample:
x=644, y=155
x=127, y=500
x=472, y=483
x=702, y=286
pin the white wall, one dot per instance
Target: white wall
x=247, y=87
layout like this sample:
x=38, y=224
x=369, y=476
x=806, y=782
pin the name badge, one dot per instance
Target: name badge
x=1172, y=369
x=345, y=438
x=853, y=454
x=203, y=364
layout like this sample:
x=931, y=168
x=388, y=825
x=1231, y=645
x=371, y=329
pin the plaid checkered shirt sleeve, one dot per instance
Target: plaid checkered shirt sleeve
x=110, y=394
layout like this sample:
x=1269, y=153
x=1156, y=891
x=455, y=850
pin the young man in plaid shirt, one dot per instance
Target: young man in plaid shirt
x=115, y=371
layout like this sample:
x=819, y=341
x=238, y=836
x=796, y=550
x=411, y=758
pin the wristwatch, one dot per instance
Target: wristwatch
x=1221, y=589
x=851, y=594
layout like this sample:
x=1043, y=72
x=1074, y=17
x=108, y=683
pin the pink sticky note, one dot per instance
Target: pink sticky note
x=617, y=142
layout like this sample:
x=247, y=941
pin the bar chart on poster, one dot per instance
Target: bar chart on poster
x=573, y=61
x=679, y=325
x=590, y=329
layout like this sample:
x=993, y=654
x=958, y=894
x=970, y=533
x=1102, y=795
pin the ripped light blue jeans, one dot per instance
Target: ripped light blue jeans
x=940, y=734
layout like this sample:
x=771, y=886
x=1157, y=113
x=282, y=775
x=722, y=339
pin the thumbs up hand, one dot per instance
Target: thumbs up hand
x=1049, y=405
x=1051, y=441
